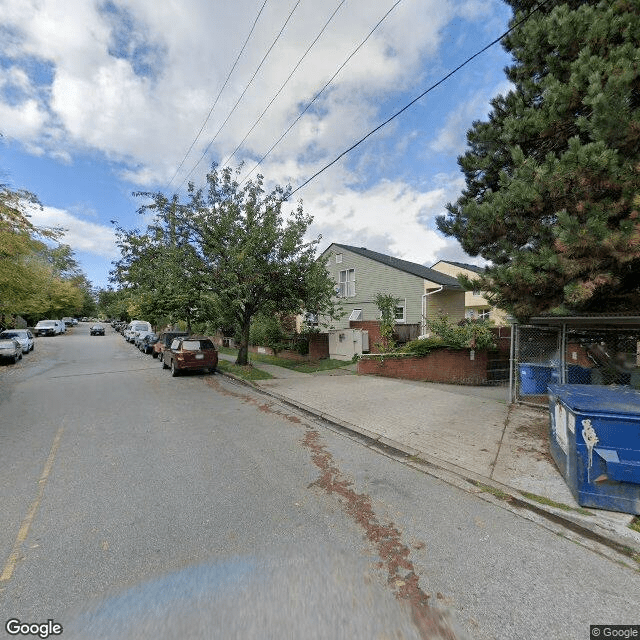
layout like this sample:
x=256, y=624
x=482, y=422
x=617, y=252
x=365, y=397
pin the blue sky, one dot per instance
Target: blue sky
x=99, y=99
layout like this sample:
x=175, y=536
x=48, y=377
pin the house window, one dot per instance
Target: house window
x=399, y=314
x=477, y=292
x=356, y=314
x=311, y=319
x=347, y=283
x=338, y=258
x=484, y=314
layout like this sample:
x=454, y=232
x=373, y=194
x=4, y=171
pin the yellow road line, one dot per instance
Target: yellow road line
x=10, y=566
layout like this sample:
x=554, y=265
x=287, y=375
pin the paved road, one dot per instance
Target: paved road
x=138, y=505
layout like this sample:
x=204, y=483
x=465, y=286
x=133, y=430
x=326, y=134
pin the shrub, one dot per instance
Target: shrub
x=423, y=347
x=468, y=334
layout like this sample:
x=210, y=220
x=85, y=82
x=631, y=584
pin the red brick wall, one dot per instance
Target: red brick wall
x=318, y=346
x=441, y=365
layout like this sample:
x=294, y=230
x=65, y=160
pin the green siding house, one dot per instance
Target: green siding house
x=360, y=274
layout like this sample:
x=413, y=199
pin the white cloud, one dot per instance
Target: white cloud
x=79, y=234
x=391, y=217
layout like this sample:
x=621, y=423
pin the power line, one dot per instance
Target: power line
x=326, y=24
x=333, y=77
x=242, y=94
x=217, y=97
x=424, y=93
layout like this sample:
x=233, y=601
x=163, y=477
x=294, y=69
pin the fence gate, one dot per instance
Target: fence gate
x=535, y=363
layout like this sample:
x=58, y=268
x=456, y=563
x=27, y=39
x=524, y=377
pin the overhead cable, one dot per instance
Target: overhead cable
x=213, y=106
x=326, y=24
x=333, y=77
x=242, y=94
x=424, y=93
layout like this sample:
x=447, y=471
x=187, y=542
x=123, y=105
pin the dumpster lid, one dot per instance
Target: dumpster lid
x=598, y=398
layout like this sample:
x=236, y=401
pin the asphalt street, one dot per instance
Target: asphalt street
x=134, y=504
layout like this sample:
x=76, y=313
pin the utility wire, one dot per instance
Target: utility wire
x=217, y=97
x=326, y=24
x=333, y=77
x=242, y=94
x=424, y=93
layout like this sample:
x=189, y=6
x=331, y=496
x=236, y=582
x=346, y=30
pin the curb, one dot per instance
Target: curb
x=503, y=494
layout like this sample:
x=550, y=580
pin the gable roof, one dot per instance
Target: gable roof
x=402, y=265
x=463, y=265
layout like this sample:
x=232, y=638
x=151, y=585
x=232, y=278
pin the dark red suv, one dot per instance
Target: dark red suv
x=190, y=353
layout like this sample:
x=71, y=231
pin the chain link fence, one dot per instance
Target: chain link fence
x=573, y=355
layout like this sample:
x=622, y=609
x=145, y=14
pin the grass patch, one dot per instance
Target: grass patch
x=493, y=491
x=635, y=524
x=246, y=373
x=311, y=366
x=553, y=503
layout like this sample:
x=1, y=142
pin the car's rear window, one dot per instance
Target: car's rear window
x=197, y=345
x=46, y=323
x=9, y=334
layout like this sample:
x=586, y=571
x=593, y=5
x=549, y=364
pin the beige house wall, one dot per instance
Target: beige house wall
x=473, y=301
x=446, y=303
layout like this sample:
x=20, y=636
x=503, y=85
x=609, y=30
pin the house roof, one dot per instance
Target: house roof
x=463, y=265
x=403, y=265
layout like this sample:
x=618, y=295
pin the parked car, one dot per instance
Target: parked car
x=48, y=328
x=139, y=336
x=190, y=353
x=96, y=330
x=10, y=349
x=146, y=344
x=68, y=322
x=164, y=342
x=23, y=336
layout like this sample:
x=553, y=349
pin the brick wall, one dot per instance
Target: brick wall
x=441, y=365
x=318, y=346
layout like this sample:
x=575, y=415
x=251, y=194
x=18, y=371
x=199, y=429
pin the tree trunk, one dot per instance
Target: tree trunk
x=243, y=352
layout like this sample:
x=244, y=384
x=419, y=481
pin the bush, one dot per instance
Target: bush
x=267, y=331
x=423, y=347
x=468, y=334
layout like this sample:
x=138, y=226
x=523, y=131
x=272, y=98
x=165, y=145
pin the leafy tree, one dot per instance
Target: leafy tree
x=232, y=252
x=386, y=304
x=553, y=177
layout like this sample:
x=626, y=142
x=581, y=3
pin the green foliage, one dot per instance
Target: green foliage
x=267, y=331
x=552, y=178
x=387, y=306
x=423, y=347
x=467, y=335
x=225, y=254
x=38, y=276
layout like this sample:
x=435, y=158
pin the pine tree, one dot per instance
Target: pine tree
x=552, y=195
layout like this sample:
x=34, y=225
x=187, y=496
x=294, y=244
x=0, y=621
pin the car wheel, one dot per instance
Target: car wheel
x=15, y=358
x=154, y=354
x=174, y=370
x=164, y=364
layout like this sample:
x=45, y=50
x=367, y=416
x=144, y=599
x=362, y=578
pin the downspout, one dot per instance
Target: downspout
x=423, y=331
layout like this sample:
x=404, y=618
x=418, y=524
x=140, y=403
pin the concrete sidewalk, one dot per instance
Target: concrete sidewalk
x=471, y=432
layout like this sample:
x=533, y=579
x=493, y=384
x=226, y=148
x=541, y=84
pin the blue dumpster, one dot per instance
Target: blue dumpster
x=595, y=441
x=535, y=378
x=578, y=375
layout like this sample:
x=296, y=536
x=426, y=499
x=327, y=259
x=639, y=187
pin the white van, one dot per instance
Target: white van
x=134, y=327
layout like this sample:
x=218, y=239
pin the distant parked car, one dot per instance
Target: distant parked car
x=135, y=326
x=190, y=353
x=166, y=338
x=68, y=322
x=96, y=330
x=48, y=328
x=10, y=349
x=23, y=336
x=146, y=344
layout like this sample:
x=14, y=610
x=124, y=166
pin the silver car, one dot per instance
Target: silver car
x=23, y=336
x=10, y=349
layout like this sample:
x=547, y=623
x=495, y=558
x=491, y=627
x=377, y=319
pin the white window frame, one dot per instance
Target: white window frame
x=403, y=319
x=338, y=258
x=347, y=283
x=356, y=314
